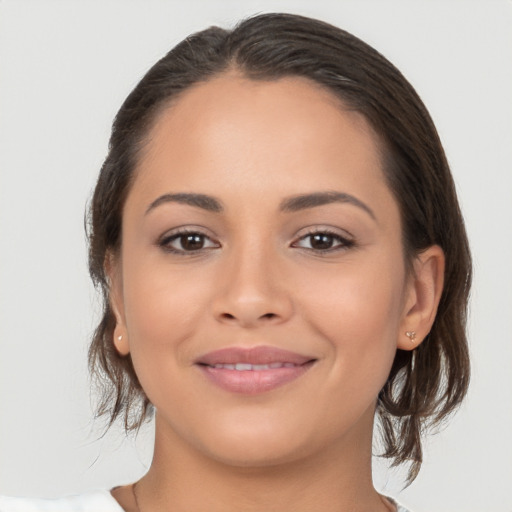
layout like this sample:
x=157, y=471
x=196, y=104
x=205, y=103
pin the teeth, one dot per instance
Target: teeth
x=260, y=366
x=244, y=367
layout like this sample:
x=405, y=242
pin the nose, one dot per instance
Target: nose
x=253, y=291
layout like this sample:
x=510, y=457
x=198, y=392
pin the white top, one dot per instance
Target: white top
x=96, y=501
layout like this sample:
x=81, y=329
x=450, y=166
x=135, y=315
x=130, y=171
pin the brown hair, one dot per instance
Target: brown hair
x=424, y=386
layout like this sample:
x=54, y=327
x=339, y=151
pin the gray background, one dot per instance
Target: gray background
x=65, y=68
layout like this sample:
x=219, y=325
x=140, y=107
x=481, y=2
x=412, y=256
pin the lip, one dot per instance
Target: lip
x=274, y=368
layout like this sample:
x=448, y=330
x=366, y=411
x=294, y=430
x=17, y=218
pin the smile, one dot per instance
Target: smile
x=253, y=370
x=245, y=367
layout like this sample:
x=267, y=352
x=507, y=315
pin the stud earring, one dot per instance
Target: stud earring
x=119, y=338
x=411, y=335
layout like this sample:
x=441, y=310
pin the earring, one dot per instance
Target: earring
x=411, y=335
x=120, y=343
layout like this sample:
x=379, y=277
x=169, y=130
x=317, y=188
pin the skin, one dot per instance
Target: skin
x=261, y=280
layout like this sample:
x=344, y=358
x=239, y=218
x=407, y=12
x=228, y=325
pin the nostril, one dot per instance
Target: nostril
x=266, y=316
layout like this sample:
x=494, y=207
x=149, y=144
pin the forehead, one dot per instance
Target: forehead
x=232, y=100
x=289, y=135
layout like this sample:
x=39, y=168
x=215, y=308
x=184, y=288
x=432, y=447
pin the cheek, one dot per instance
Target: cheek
x=357, y=310
x=162, y=306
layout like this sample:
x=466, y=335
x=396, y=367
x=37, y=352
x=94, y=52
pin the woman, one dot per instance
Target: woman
x=277, y=237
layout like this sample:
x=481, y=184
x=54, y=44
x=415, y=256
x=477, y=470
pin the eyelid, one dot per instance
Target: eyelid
x=325, y=228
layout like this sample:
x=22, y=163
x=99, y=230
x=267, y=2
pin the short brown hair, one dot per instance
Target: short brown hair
x=425, y=385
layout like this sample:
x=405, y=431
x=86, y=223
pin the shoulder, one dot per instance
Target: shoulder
x=97, y=501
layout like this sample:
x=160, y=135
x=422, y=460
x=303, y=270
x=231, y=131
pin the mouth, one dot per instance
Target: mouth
x=244, y=367
x=254, y=370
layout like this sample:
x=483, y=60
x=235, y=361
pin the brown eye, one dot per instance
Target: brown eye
x=323, y=242
x=187, y=242
x=191, y=242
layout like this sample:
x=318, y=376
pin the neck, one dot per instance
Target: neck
x=336, y=479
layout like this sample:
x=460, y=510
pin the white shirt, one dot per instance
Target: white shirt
x=96, y=501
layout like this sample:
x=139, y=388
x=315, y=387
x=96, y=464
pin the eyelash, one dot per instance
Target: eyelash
x=165, y=242
x=344, y=243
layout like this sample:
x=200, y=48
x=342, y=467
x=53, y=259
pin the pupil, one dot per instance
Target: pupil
x=192, y=242
x=321, y=241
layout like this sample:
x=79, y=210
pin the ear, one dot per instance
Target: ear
x=422, y=297
x=114, y=275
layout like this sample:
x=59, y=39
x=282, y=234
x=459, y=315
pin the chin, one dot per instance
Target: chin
x=262, y=455
x=253, y=445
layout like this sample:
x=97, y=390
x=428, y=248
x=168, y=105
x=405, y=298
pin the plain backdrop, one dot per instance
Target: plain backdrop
x=65, y=68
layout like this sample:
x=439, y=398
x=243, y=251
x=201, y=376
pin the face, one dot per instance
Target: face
x=261, y=286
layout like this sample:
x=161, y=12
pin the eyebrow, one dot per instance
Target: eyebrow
x=199, y=200
x=304, y=201
x=292, y=204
